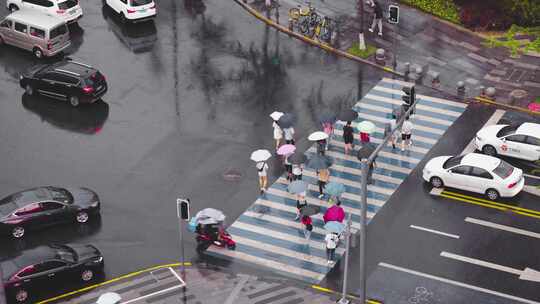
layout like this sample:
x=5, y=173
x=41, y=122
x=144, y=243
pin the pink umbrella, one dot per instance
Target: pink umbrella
x=334, y=213
x=286, y=149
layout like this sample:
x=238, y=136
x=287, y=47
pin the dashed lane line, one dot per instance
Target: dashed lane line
x=502, y=227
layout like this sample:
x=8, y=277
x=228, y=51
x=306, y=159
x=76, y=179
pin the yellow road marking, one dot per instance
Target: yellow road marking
x=492, y=202
x=472, y=202
x=129, y=275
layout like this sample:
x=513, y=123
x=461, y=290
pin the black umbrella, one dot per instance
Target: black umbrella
x=347, y=115
x=297, y=158
x=287, y=120
x=327, y=116
x=319, y=162
x=310, y=210
x=365, y=151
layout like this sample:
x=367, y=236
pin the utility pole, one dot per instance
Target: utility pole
x=344, y=299
x=361, y=41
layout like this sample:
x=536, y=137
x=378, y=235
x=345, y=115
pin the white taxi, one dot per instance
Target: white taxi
x=133, y=10
x=476, y=173
x=67, y=10
x=519, y=142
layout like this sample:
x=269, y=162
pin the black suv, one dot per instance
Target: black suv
x=68, y=80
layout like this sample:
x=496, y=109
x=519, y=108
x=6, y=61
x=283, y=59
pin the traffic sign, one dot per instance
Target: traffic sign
x=393, y=14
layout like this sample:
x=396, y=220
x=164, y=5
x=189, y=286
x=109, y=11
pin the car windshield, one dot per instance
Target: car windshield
x=59, y=194
x=57, y=31
x=507, y=130
x=504, y=169
x=140, y=2
x=65, y=253
x=67, y=4
x=452, y=161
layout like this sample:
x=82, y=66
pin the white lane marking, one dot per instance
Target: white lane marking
x=497, y=115
x=430, y=98
x=531, y=176
x=387, y=120
x=182, y=284
x=286, y=268
x=532, y=190
x=376, y=140
x=282, y=221
x=369, y=106
x=456, y=283
x=436, y=191
x=396, y=154
x=455, y=236
x=356, y=135
x=480, y=263
x=502, y=227
x=398, y=102
x=233, y=296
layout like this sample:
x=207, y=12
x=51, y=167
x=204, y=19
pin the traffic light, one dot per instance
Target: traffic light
x=408, y=98
x=393, y=14
x=182, y=209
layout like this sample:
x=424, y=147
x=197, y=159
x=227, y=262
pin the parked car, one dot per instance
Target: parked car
x=520, y=142
x=67, y=10
x=36, y=270
x=476, y=173
x=68, y=80
x=42, y=34
x=133, y=10
x=138, y=37
x=46, y=206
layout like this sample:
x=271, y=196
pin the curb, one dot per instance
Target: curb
x=491, y=102
x=318, y=44
x=129, y=275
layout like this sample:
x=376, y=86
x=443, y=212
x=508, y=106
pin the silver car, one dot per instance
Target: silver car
x=42, y=34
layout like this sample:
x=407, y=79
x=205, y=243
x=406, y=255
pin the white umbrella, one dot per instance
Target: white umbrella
x=109, y=298
x=260, y=155
x=210, y=213
x=366, y=126
x=319, y=135
x=276, y=115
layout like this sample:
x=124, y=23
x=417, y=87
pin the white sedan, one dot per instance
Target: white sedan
x=133, y=10
x=521, y=142
x=68, y=10
x=476, y=173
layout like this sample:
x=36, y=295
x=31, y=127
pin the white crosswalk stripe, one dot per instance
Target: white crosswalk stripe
x=268, y=235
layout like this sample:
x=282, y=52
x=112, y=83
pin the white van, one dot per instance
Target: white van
x=42, y=34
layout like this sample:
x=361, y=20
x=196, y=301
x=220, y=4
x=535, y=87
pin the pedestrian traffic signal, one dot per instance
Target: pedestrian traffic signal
x=182, y=209
x=393, y=14
x=409, y=96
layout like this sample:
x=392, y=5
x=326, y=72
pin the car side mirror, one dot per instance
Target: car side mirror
x=503, y=139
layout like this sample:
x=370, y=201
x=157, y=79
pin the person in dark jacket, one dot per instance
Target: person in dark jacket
x=348, y=137
x=377, y=18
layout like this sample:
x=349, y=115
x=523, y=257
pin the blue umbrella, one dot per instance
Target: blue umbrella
x=334, y=189
x=319, y=162
x=297, y=187
x=334, y=227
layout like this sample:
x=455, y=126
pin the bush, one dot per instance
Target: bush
x=498, y=14
x=445, y=9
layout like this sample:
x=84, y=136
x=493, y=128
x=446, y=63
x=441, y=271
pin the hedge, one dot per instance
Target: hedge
x=445, y=9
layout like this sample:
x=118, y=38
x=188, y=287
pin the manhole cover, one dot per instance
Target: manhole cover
x=518, y=94
x=232, y=175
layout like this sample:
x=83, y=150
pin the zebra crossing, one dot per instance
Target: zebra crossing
x=267, y=234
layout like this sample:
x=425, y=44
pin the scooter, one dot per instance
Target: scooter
x=208, y=235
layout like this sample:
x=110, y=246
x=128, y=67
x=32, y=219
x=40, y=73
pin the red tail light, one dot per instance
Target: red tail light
x=60, y=11
x=131, y=11
x=88, y=90
x=512, y=185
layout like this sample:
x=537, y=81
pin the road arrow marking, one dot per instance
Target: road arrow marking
x=526, y=274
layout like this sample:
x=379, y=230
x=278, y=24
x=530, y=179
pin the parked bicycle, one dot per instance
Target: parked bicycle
x=303, y=18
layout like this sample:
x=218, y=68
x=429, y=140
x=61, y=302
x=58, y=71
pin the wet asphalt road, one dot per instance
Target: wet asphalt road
x=189, y=98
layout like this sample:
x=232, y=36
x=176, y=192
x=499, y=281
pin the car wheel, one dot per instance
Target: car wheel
x=82, y=217
x=21, y=295
x=123, y=18
x=436, y=182
x=38, y=53
x=29, y=90
x=13, y=7
x=17, y=232
x=87, y=275
x=489, y=150
x=492, y=194
x=74, y=100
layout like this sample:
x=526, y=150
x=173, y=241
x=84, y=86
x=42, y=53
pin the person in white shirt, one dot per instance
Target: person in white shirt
x=278, y=134
x=331, y=240
x=406, y=131
x=297, y=172
x=262, y=169
x=289, y=135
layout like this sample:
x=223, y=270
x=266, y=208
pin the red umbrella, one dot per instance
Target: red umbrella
x=334, y=213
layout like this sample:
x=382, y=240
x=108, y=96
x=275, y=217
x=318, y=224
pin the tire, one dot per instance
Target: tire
x=12, y=8
x=74, y=100
x=202, y=246
x=21, y=295
x=123, y=18
x=18, y=232
x=492, y=194
x=29, y=90
x=38, y=53
x=232, y=247
x=87, y=275
x=436, y=182
x=82, y=217
x=489, y=150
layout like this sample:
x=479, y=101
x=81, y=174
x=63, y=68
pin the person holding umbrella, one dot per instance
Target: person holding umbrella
x=260, y=157
x=300, y=203
x=348, y=137
x=323, y=178
x=297, y=170
x=366, y=127
x=328, y=128
x=334, y=213
x=331, y=240
x=308, y=226
x=289, y=135
x=406, y=132
x=278, y=132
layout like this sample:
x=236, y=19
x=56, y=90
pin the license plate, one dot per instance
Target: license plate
x=72, y=12
x=143, y=11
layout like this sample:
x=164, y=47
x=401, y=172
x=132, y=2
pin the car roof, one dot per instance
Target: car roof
x=23, y=198
x=37, y=18
x=12, y=265
x=529, y=128
x=480, y=160
x=72, y=67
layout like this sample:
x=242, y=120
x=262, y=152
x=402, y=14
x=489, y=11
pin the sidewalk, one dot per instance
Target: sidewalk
x=204, y=285
x=434, y=46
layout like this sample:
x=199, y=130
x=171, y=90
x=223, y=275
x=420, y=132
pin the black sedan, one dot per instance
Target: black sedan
x=49, y=267
x=68, y=80
x=45, y=206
